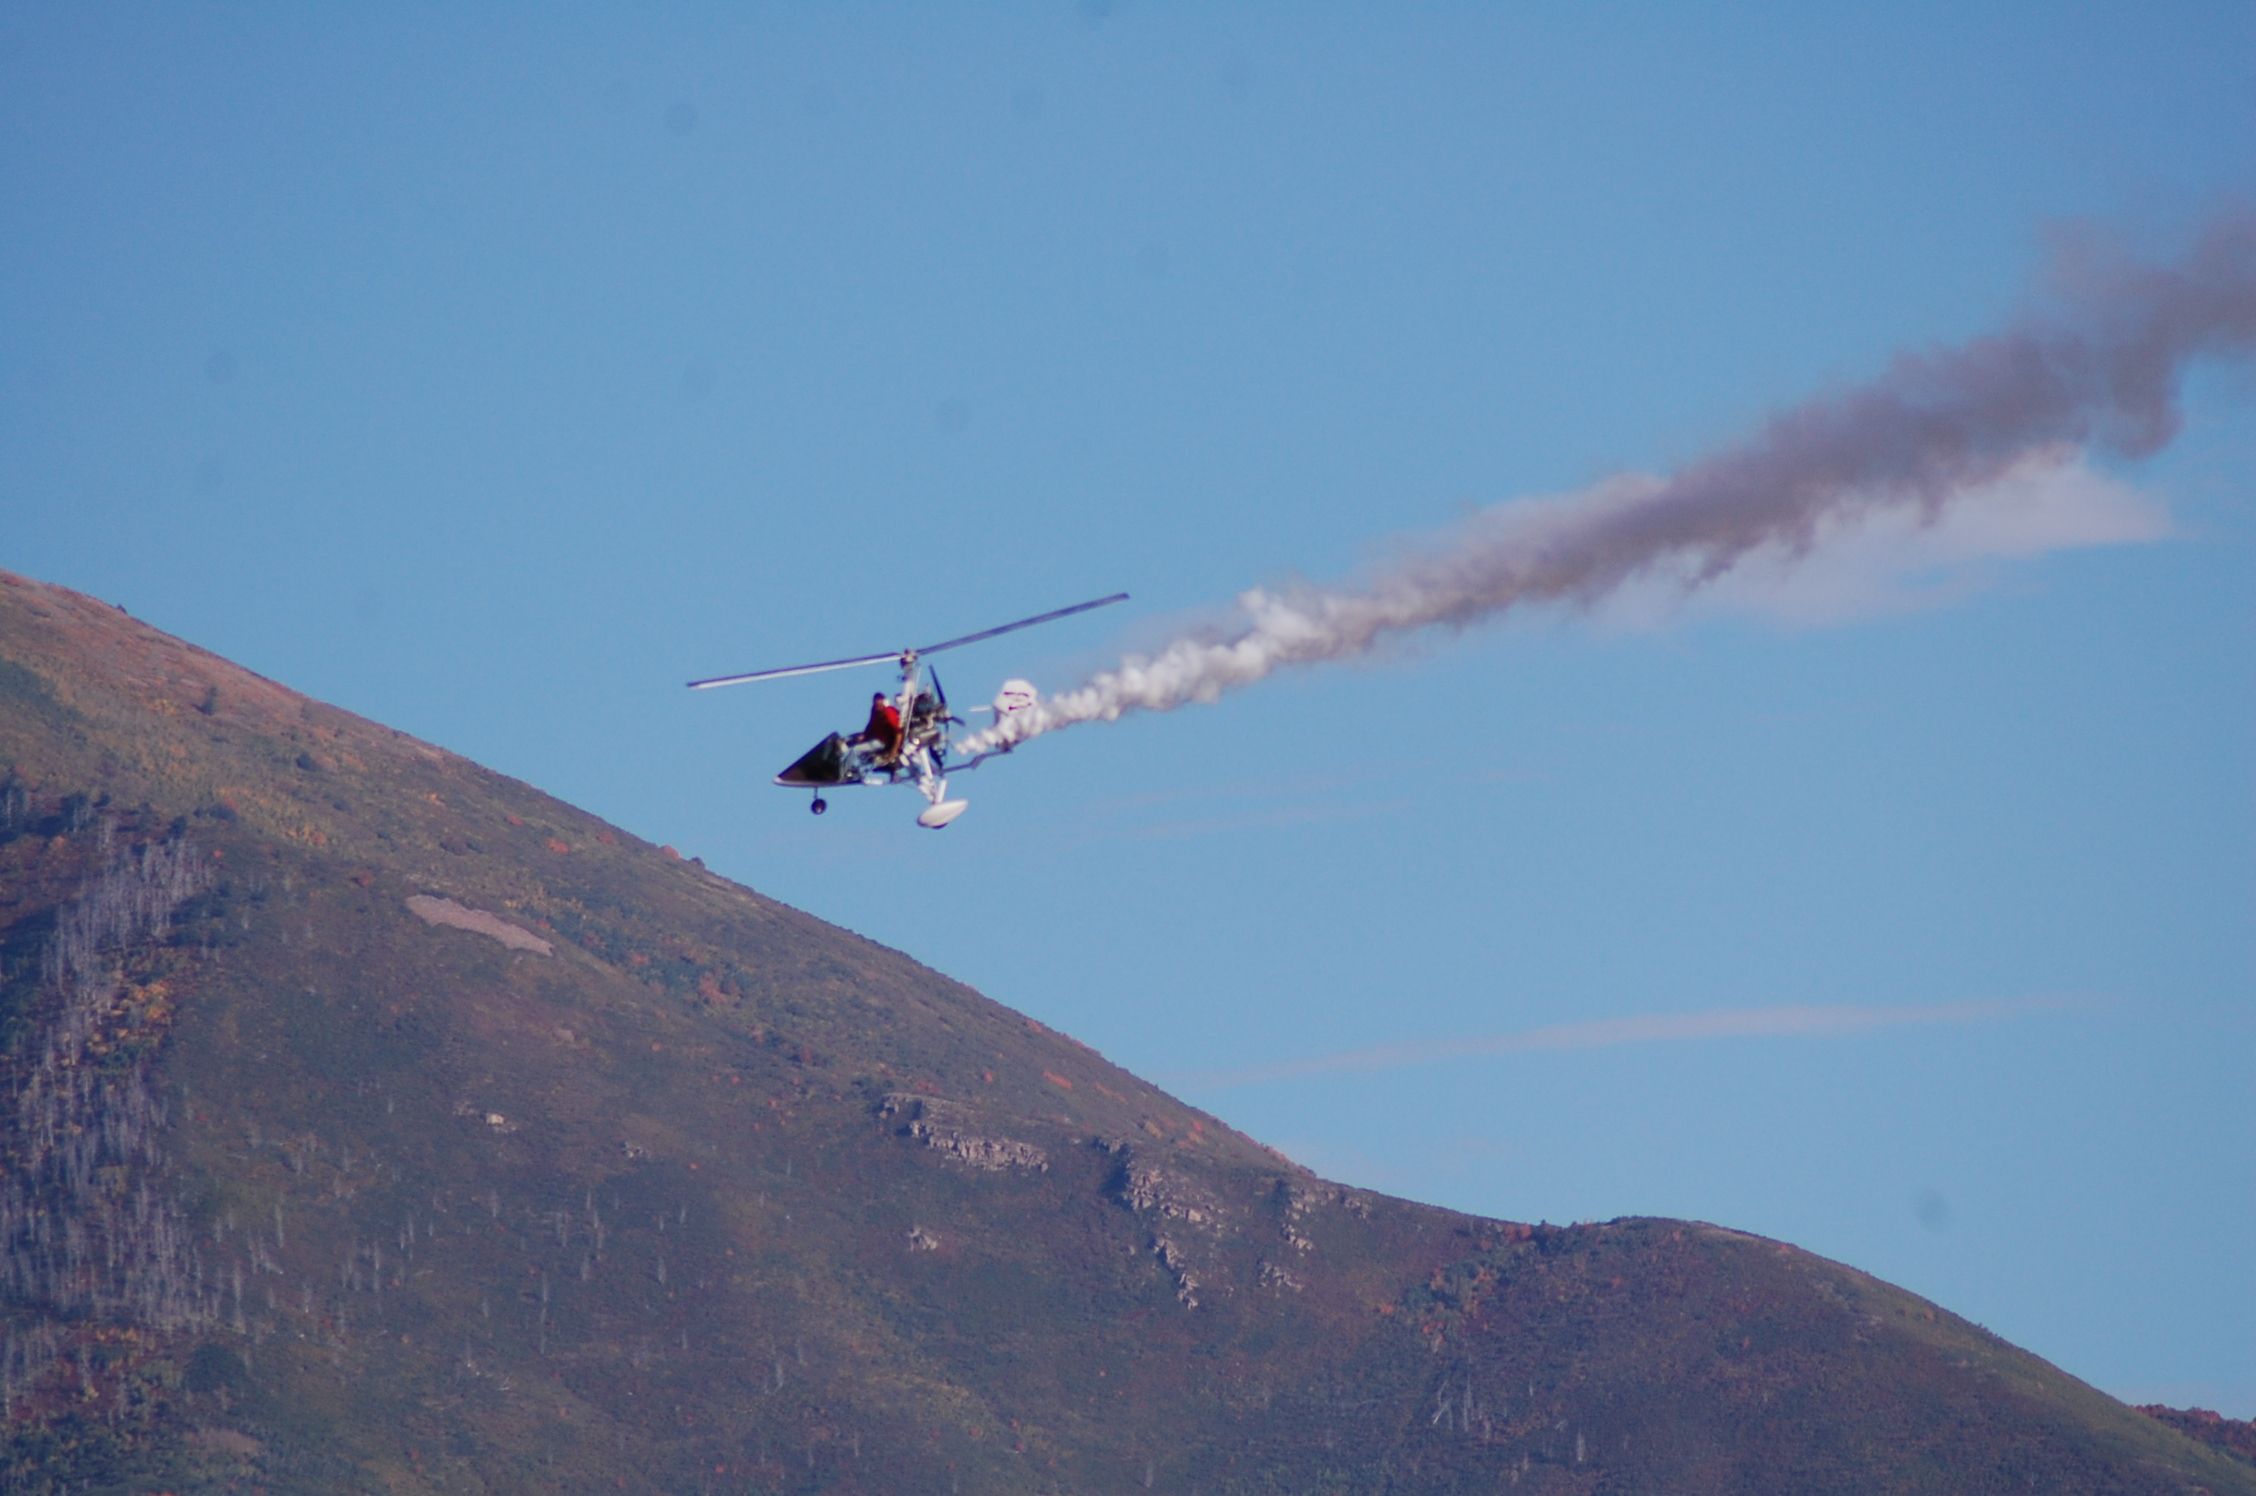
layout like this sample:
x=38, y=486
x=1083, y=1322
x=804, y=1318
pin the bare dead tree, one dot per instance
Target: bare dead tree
x=81, y=1229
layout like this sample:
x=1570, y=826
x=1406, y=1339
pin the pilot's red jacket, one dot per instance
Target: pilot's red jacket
x=884, y=727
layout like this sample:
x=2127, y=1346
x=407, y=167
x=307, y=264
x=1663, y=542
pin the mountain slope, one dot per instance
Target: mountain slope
x=375, y=1122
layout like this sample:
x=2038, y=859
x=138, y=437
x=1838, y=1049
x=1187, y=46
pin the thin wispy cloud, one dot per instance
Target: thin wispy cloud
x=1798, y=1021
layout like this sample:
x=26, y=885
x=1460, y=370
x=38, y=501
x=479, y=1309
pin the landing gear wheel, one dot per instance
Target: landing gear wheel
x=820, y=805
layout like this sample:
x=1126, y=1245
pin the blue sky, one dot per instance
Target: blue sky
x=493, y=374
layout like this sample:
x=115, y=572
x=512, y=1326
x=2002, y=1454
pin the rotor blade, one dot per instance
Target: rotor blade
x=879, y=659
x=1025, y=623
x=738, y=680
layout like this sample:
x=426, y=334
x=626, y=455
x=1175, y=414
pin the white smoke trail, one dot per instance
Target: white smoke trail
x=1934, y=432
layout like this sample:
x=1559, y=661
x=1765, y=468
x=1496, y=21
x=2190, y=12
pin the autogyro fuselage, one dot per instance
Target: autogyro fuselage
x=910, y=742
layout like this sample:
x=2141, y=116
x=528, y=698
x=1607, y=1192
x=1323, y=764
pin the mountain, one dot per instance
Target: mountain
x=2234, y=1435
x=374, y=1122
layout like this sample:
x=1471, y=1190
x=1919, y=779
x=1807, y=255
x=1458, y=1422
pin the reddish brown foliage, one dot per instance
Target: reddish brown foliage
x=2235, y=1436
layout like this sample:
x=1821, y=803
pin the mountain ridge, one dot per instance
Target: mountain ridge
x=381, y=1123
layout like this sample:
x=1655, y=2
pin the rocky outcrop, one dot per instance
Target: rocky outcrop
x=1149, y=1189
x=937, y=1124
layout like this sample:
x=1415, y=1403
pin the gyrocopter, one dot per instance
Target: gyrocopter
x=906, y=738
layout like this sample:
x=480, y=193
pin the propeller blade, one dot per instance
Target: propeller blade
x=1025, y=623
x=738, y=680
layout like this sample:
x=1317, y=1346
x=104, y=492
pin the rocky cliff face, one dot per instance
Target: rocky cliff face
x=373, y=1122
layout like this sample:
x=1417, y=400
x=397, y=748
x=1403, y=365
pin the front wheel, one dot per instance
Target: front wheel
x=820, y=805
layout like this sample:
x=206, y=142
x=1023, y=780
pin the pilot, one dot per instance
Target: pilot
x=883, y=728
